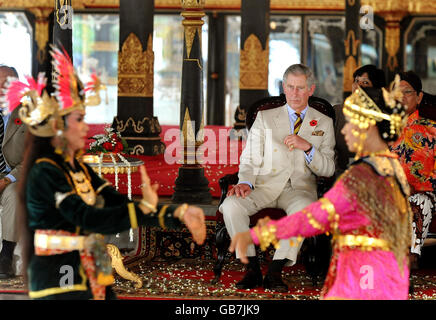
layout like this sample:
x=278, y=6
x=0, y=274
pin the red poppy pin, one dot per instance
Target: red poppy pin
x=313, y=123
x=18, y=121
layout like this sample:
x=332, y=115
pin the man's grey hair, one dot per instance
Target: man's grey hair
x=300, y=69
x=10, y=69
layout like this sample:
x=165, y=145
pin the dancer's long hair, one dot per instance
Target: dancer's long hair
x=35, y=147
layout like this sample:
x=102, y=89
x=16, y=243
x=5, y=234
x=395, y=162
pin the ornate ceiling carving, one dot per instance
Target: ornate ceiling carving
x=411, y=6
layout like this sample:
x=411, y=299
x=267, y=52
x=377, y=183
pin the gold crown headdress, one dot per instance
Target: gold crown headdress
x=363, y=111
x=38, y=109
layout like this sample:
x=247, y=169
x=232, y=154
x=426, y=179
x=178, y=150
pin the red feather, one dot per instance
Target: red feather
x=64, y=78
x=91, y=85
x=15, y=89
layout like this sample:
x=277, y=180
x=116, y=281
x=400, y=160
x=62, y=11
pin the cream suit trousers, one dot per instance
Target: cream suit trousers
x=237, y=211
x=8, y=225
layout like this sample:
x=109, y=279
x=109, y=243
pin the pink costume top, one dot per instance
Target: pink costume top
x=368, y=214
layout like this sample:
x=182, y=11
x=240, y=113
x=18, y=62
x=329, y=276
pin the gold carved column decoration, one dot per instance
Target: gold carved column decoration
x=253, y=70
x=135, y=68
x=352, y=43
x=392, y=12
x=351, y=47
x=392, y=40
x=41, y=31
x=253, y=60
x=135, y=118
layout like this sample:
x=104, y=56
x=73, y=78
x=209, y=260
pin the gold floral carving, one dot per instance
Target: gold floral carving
x=193, y=4
x=253, y=65
x=352, y=43
x=351, y=46
x=137, y=127
x=135, y=71
x=413, y=7
x=392, y=44
x=41, y=31
x=117, y=264
x=190, y=32
x=188, y=129
x=350, y=67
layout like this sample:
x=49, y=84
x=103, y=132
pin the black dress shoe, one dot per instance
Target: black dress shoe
x=411, y=285
x=274, y=282
x=6, y=271
x=252, y=279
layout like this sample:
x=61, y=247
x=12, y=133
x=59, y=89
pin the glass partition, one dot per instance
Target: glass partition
x=95, y=48
x=232, y=47
x=372, y=45
x=168, y=59
x=284, y=41
x=16, y=37
x=326, y=54
x=420, y=51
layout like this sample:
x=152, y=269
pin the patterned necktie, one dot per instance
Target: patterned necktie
x=2, y=159
x=297, y=124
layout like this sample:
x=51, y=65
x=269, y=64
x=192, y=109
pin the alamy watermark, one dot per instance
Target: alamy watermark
x=367, y=279
x=64, y=17
x=67, y=279
x=367, y=20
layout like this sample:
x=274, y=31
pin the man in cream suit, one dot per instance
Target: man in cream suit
x=12, y=133
x=287, y=147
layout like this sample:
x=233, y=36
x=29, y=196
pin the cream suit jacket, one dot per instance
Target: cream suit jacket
x=13, y=143
x=267, y=163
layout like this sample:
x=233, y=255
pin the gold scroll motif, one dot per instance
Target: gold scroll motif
x=117, y=264
x=188, y=130
x=59, y=5
x=392, y=44
x=41, y=32
x=350, y=67
x=351, y=46
x=413, y=7
x=254, y=65
x=190, y=32
x=138, y=126
x=192, y=4
x=135, y=72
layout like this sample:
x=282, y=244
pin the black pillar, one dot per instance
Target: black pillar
x=353, y=40
x=42, y=21
x=254, y=57
x=134, y=119
x=191, y=184
x=216, y=70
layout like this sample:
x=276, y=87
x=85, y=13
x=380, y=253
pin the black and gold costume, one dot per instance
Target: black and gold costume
x=78, y=201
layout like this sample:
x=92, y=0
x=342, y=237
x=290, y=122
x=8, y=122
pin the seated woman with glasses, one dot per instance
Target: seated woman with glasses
x=416, y=150
x=367, y=76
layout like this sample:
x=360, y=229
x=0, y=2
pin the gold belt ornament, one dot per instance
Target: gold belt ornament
x=59, y=242
x=362, y=242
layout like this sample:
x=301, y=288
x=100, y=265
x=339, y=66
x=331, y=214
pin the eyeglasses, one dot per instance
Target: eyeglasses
x=363, y=82
x=408, y=93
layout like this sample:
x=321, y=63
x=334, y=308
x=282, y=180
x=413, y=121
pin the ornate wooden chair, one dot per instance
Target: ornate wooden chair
x=315, y=251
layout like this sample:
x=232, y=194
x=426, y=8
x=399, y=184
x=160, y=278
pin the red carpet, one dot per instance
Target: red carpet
x=163, y=169
x=190, y=279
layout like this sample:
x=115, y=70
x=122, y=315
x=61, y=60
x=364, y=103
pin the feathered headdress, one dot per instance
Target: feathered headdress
x=38, y=109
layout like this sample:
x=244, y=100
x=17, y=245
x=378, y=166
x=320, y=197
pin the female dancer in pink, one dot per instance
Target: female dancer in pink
x=366, y=211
